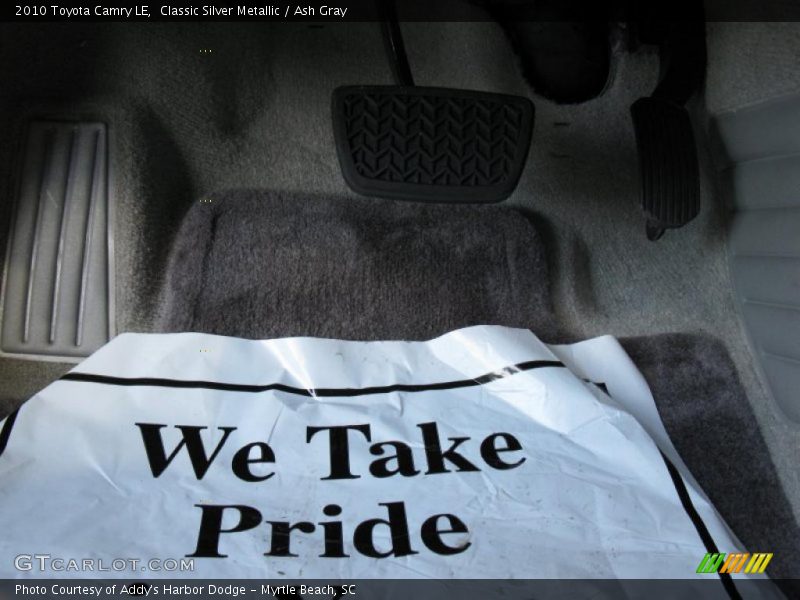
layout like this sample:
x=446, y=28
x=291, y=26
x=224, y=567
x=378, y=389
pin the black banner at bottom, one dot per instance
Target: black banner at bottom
x=392, y=589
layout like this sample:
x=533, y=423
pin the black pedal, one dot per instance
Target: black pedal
x=431, y=144
x=668, y=167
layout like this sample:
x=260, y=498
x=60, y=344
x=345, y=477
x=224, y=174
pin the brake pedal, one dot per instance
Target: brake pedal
x=431, y=144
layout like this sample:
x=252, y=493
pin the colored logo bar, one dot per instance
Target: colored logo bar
x=735, y=562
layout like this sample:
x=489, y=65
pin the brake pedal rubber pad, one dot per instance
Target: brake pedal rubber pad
x=431, y=144
x=57, y=299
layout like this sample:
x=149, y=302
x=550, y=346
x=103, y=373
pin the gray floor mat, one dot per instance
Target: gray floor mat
x=254, y=264
x=260, y=265
x=705, y=410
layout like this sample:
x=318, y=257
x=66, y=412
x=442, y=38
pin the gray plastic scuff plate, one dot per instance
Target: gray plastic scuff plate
x=57, y=298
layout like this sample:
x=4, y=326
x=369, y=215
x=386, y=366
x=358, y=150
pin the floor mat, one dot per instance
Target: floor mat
x=260, y=265
x=705, y=410
x=253, y=264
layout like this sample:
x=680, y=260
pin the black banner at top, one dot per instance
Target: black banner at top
x=374, y=10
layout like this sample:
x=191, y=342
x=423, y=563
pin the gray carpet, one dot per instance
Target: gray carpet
x=261, y=265
x=704, y=408
x=751, y=62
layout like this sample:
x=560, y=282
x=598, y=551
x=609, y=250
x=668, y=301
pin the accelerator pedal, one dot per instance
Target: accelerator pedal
x=668, y=167
x=431, y=144
x=57, y=299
